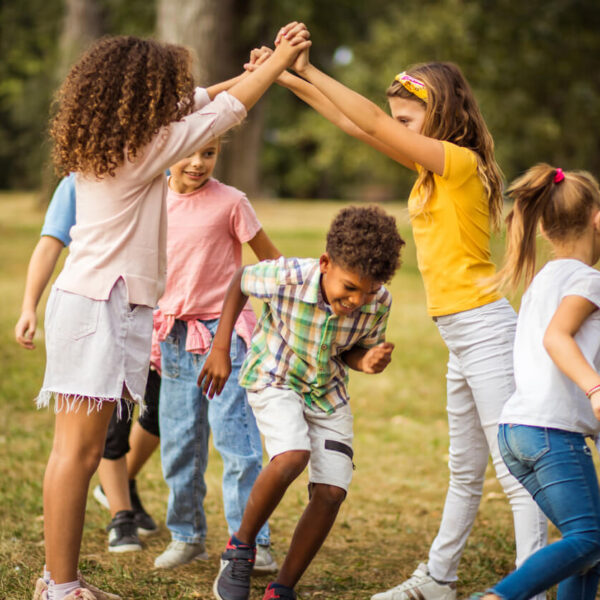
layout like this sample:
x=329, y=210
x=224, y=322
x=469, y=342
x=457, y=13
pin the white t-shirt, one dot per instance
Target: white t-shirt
x=544, y=396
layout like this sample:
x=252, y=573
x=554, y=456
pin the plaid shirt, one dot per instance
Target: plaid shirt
x=298, y=340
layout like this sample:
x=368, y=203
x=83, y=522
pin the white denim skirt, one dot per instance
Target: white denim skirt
x=96, y=350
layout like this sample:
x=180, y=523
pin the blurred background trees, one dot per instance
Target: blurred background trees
x=533, y=66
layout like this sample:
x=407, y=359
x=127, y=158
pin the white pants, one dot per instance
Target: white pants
x=479, y=382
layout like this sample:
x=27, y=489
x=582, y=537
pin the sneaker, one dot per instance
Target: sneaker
x=275, y=590
x=233, y=580
x=180, y=553
x=144, y=522
x=264, y=562
x=122, y=533
x=100, y=497
x=78, y=594
x=419, y=586
x=41, y=586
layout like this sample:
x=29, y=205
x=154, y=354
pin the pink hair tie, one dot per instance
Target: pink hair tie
x=559, y=175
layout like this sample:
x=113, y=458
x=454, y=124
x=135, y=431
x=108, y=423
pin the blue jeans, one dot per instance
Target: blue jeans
x=556, y=467
x=186, y=417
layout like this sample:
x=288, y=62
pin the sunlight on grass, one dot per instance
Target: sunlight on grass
x=394, y=506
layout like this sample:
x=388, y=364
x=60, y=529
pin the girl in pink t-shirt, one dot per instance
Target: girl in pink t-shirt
x=207, y=224
x=126, y=111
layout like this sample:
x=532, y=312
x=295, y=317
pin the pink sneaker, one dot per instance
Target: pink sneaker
x=41, y=586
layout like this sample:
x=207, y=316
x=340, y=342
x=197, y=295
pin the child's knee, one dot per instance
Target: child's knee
x=291, y=464
x=331, y=495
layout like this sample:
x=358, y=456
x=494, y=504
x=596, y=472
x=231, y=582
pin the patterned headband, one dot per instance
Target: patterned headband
x=414, y=86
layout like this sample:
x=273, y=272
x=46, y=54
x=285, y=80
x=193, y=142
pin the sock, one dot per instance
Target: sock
x=237, y=542
x=275, y=586
x=46, y=576
x=59, y=591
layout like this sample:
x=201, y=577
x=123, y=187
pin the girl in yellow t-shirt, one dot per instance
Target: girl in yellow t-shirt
x=437, y=129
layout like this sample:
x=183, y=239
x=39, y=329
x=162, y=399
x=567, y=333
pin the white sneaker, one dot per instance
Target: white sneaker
x=264, y=562
x=419, y=586
x=100, y=497
x=180, y=553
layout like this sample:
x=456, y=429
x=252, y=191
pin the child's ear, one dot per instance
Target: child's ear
x=324, y=262
x=596, y=221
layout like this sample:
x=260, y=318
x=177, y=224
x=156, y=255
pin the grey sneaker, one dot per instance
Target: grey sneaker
x=180, y=553
x=264, y=563
x=122, y=533
x=233, y=580
x=419, y=585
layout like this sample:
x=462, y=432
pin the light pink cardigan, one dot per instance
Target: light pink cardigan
x=121, y=228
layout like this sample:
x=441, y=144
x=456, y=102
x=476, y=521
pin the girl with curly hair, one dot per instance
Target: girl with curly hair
x=126, y=111
x=436, y=129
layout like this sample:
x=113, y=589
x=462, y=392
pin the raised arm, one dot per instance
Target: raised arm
x=217, y=367
x=366, y=115
x=41, y=266
x=321, y=103
x=559, y=342
x=250, y=88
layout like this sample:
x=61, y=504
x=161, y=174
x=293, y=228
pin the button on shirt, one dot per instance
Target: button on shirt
x=298, y=341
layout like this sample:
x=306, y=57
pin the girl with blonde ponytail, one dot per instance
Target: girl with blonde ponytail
x=556, y=404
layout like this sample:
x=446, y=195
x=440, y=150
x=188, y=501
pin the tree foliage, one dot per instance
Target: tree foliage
x=532, y=65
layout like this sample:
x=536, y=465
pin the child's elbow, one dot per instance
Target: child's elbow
x=551, y=341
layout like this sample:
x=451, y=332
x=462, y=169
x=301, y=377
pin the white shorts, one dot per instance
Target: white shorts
x=95, y=349
x=287, y=423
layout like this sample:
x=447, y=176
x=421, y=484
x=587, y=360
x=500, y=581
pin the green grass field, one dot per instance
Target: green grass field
x=394, y=506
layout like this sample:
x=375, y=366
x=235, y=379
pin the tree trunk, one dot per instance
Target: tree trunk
x=212, y=28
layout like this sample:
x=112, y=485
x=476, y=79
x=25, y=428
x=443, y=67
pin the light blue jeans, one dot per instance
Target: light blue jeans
x=556, y=467
x=479, y=382
x=186, y=418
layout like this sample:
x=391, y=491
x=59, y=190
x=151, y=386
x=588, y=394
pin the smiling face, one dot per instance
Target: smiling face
x=192, y=172
x=411, y=113
x=345, y=290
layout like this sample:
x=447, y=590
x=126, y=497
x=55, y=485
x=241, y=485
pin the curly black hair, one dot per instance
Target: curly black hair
x=365, y=239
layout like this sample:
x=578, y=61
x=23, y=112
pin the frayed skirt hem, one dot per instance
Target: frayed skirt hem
x=72, y=402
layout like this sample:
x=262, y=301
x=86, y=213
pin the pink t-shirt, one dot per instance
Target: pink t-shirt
x=206, y=230
x=121, y=221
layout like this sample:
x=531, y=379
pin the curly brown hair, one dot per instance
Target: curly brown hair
x=365, y=239
x=115, y=99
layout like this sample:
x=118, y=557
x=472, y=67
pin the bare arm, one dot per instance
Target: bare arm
x=217, y=88
x=41, y=265
x=321, y=103
x=369, y=360
x=559, y=342
x=249, y=89
x=263, y=247
x=217, y=367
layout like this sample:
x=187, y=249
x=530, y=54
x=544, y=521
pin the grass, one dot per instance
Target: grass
x=394, y=506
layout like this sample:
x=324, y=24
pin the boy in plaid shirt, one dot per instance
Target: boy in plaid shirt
x=319, y=318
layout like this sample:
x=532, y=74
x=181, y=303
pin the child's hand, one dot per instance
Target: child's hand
x=292, y=39
x=301, y=62
x=257, y=57
x=25, y=329
x=595, y=400
x=377, y=358
x=215, y=372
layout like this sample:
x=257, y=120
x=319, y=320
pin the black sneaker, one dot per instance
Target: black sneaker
x=122, y=533
x=144, y=522
x=233, y=580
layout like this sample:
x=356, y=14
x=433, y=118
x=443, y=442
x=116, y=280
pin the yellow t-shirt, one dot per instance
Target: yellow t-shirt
x=452, y=236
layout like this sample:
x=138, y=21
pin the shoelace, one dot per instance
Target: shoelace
x=241, y=569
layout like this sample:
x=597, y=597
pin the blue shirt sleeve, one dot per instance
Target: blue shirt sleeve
x=60, y=216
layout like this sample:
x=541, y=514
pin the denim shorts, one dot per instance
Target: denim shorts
x=96, y=350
